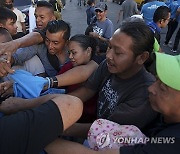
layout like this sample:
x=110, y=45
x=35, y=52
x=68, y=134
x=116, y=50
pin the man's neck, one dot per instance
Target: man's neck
x=175, y=118
x=130, y=73
x=62, y=56
x=103, y=19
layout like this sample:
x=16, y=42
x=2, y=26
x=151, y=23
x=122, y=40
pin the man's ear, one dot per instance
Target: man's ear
x=53, y=17
x=142, y=57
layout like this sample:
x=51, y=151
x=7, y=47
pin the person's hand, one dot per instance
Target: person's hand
x=6, y=88
x=5, y=68
x=7, y=49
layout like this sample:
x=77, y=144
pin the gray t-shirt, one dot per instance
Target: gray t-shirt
x=124, y=101
x=129, y=8
x=24, y=54
x=104, y=29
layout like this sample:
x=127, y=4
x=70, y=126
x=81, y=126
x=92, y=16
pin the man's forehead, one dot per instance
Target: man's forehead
x=55, y=36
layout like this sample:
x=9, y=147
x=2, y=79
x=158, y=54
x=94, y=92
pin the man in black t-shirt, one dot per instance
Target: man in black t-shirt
x=121, y=81
x=29, y=131
x=164, y=97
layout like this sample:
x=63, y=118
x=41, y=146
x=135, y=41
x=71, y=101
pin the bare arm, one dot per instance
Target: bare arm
x=70, y=108
x=63, y=146
x=83, y=93
x=79, y=130
x=74, y=75
x=15, y=104
x=27, y=40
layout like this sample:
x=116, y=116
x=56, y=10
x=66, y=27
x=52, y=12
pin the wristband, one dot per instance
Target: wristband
x=54, y=82
x=49, y=83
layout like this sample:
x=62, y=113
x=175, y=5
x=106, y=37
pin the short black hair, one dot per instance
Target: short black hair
x=161, y=12
x=141, y=34
x=6, y=14
x=90, y=2
x=45, y=4
x=55, y=26
x=4, y=32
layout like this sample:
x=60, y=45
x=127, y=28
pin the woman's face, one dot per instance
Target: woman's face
x=77, y=54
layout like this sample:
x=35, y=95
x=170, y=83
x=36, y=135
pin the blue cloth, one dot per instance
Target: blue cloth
x=173, y=6
x=26, y=85
x=167, y=2
x=148, y=10
x=154, y=27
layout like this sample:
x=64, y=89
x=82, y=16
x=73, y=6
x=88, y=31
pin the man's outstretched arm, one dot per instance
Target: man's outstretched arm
x=68, y=147
x=10, y=47
x=15, y=104
x=77, y=74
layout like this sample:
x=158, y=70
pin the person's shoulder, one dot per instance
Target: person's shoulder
x=171, y=130
x=160, y=3
x=143, y=77
x=17, y=10
x=108, y=21
x=98, y=58
x=103, y=65
x=41, y=32
x=147, y=76
x=92, y=9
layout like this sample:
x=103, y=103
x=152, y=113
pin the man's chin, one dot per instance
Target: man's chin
x=51, y=53
x=111, y=70
x=40, y=27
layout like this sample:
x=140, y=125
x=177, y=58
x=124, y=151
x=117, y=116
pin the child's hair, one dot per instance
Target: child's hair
x=6, y=14
x=4, y=32
x=161, y=12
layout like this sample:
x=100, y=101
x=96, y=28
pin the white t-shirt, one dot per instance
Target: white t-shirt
x=32, y=19
x=20, y=18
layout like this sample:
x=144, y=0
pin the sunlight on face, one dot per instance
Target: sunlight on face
x=77, y=54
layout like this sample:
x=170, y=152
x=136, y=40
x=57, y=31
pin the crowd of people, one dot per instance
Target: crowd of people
x=82, y=93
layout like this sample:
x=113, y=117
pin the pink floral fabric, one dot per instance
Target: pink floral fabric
x=105, y=134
